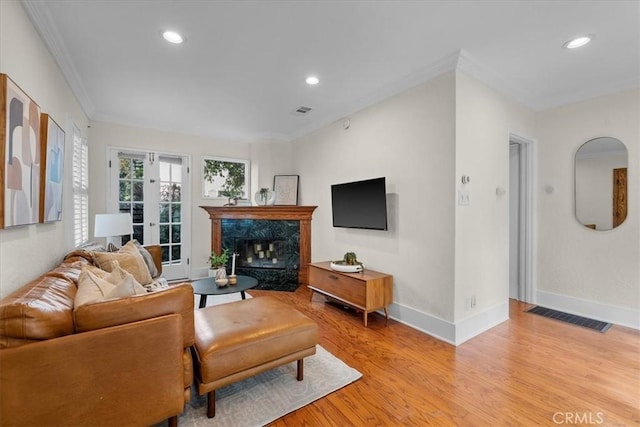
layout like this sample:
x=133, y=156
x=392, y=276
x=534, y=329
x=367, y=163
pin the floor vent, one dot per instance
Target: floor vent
x=585, y=322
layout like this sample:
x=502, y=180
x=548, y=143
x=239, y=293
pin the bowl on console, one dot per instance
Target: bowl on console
x=347, y=268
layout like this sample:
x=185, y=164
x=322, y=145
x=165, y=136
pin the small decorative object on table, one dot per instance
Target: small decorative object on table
x=218, y=267
x=349, y=264
x=232, y=278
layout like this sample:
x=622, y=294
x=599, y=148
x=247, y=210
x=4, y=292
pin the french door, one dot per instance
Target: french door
x=154, y=189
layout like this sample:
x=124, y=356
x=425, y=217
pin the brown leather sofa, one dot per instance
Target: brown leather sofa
x=115, y=362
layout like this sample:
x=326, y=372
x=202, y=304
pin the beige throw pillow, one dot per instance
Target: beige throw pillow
x=129, y=259
x=128, y=287
x=97, y=285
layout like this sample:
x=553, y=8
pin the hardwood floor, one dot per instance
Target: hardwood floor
x=527, y=371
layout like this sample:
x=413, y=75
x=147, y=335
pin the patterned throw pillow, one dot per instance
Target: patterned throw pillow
x=128, y=258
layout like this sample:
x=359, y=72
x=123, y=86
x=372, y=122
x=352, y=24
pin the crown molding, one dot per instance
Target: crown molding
x=40, y=16
x=474, y=67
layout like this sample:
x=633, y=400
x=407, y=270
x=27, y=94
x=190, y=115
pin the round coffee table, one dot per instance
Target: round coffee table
x=207, y=286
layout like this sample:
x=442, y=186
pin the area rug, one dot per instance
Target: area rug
x=266, y=397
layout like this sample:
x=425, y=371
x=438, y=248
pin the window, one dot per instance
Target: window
x=80, y=188
x=225, y=178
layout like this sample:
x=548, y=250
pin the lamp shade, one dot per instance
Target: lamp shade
x=117, y=224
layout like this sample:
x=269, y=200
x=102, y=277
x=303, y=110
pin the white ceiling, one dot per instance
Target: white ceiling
x=240, y=74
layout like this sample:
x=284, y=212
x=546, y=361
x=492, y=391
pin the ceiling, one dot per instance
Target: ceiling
x=241, y=72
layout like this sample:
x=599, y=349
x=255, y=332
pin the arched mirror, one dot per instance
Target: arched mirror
x=601, y=183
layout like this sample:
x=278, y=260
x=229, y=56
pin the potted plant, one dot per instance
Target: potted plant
x=218, y=267
x=350, y=258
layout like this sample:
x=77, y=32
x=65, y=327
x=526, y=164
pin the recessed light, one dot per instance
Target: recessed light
x=312, y=80
x=578, y=42
x=172, y=37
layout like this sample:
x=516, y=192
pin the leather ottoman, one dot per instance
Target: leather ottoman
x=238, y=340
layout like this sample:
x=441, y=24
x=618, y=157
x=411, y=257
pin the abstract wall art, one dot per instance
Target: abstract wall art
x=52, y=175
x=20, y=156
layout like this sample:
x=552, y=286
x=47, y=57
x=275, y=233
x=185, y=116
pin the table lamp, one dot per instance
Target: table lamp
x=113, y=226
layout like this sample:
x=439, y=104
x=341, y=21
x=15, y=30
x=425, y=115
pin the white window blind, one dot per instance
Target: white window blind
x=80, y=188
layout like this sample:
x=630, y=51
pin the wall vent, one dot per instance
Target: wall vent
x=302, y=110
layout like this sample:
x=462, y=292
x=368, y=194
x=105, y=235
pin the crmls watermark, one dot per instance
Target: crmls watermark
x=582, y=418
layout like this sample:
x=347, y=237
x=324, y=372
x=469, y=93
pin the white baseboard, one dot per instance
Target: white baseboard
x=430, y=325
x=446, y=331
x=478, y=323
x=624, y=316
x=199, y=273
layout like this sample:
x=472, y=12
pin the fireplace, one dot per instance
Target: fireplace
x=273, y=242
x=268, y=250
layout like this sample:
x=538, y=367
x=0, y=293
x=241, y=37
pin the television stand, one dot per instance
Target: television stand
x=367, y=291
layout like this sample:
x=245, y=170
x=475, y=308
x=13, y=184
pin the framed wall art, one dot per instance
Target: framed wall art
x=20, y=156
x=52, y=137
x=286, y=189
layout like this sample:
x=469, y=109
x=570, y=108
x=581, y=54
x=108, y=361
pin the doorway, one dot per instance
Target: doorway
x=154, y=189
x=521, y=218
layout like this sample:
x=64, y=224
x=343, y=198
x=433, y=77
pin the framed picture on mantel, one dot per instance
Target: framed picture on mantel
x=286, y=189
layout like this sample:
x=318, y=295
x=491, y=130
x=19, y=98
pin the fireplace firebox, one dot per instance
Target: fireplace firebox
x=268, y=250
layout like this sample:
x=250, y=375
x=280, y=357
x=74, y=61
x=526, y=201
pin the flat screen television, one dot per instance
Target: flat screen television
x=360, y=204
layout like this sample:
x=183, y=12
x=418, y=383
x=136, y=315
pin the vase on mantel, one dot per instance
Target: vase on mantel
x=265, y=197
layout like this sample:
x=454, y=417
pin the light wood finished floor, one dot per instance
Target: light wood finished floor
x=528, y=371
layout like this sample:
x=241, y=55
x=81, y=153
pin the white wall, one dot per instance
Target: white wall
x=26, y=252
x=423, y=140
x=409, y=139
x=266, y=159
x=596, y=272
x=484, y=119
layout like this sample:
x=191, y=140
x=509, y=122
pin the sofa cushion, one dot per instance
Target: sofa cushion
x=177, y=299
x=129, y=258
x=40, y=310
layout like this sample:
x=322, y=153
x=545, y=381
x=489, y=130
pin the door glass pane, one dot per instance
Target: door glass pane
x=170, y=209
x=164, y=212
x=175, y=234
x=138, y=191
x=176, y=212
x=164, y=234
x=175, y=252
x=130, y=189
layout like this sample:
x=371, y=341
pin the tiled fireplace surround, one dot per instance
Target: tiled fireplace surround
x=273, y=242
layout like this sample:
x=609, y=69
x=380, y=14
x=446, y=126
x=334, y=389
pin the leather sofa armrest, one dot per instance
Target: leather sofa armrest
x=156, y=254
x=173, y=300
x=131, y=373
